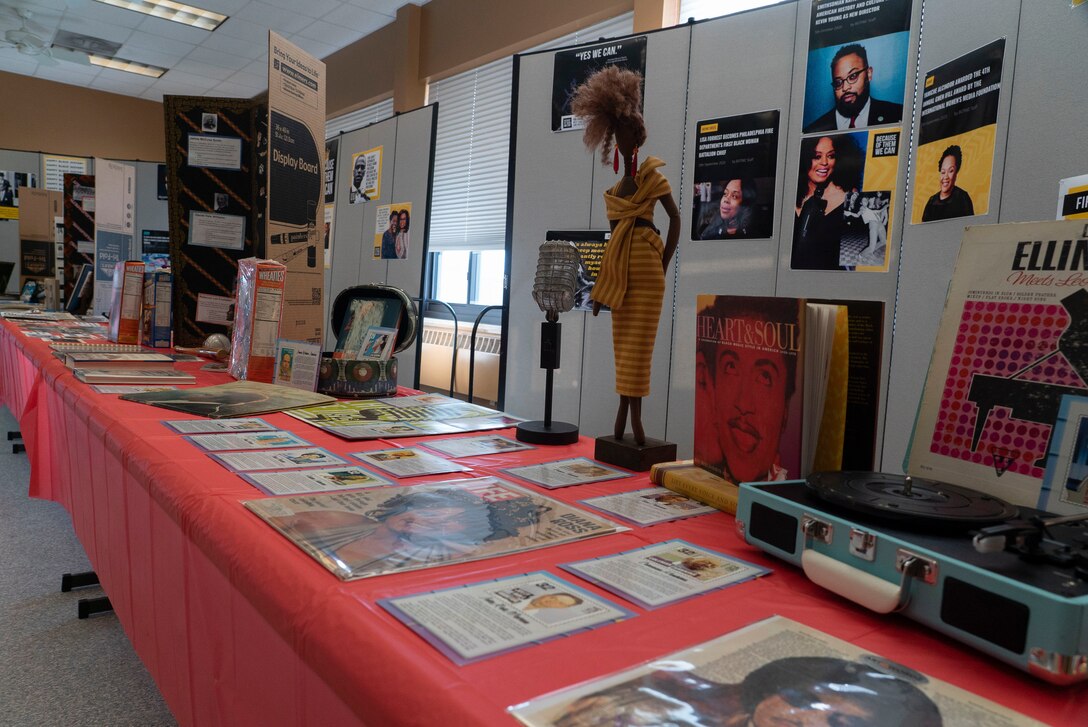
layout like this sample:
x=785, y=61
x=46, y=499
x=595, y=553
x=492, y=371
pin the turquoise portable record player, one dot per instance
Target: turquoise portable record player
x=1012, y=582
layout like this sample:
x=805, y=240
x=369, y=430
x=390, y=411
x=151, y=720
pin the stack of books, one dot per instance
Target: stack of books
x=96, y=367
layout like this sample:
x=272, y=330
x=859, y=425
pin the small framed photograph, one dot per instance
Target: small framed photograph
x=378, y=343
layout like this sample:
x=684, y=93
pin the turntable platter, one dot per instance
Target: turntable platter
x=904, y=498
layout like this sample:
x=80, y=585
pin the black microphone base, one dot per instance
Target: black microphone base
x=539, y=433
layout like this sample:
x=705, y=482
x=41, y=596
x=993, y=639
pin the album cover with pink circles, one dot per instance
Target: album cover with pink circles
x=1011, y=345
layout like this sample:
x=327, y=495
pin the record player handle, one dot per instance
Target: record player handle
x=865, y=589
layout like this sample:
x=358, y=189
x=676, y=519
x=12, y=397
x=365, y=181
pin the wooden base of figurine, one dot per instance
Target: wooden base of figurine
x=625, y=453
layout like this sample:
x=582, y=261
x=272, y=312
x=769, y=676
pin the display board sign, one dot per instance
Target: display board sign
x=296, y=188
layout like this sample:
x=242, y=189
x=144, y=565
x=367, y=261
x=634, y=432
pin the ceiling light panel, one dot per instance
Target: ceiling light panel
x=169, y=10
x=120, y=64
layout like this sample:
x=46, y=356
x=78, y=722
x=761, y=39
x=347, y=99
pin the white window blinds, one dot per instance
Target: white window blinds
x=472, y=148
x=702, y=9
x=359, y=118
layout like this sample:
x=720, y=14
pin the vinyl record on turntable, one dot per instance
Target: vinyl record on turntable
x=901, y=497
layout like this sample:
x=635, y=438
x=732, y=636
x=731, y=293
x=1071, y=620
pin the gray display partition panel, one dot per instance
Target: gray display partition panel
x=723, y=81
x=151, y=212
x=928, y=251
x=876, y=286
x=407, y=142
x=15, y=161
x=558, y=184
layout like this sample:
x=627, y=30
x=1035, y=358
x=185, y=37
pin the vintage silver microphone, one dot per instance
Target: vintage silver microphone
x=553, y=290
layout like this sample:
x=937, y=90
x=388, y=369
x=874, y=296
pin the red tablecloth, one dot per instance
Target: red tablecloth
x=238, y=626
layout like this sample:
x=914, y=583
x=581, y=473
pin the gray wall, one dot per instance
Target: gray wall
x=756, y=61
x=406, y=165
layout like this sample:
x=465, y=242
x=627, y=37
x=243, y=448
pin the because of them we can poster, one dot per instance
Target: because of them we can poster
x=735, y=160
x=573, y=67
x=845, y=205
x=956, y=136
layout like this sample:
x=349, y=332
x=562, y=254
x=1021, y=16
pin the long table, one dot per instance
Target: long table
x=238, y=626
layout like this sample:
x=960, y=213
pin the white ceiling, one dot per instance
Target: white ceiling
x=232, y=61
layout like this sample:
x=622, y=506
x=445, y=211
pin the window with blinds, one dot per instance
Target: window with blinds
x=702, y=9
x=472, y=147
x=359, y=118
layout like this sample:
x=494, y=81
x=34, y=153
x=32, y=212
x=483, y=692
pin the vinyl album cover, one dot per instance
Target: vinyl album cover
x=749, y=375
x=1010, y=346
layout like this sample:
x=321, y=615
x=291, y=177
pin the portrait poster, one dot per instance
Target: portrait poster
x=366, y=176
x=332, y=149
x=591, y=245
x=392, y=231
x=845, y=206
x=734, y=175
x=10, y=183
x=857, y=64
x=1008, y=349
x=1073, y=198
x=478, y=620
x=956, y=135
x=369, y=533
x=778, y=668
x=573, y=67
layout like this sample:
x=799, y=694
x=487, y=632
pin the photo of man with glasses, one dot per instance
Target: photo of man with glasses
x=855, y=107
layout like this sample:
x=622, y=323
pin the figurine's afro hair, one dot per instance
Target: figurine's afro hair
x=611, y=97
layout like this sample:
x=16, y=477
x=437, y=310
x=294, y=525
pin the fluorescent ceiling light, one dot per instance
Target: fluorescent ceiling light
x=169, y=10
x=120, y=64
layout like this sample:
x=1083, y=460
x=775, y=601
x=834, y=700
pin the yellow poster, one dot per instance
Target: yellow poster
x=392, y=227
x=366, y=176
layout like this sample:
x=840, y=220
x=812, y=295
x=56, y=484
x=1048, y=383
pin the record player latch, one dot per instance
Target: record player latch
x=916, y=566
x=820, y=530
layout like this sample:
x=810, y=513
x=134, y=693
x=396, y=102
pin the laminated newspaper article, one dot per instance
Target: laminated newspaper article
x=475, y=621
x=774, y=672
x=368, y=533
